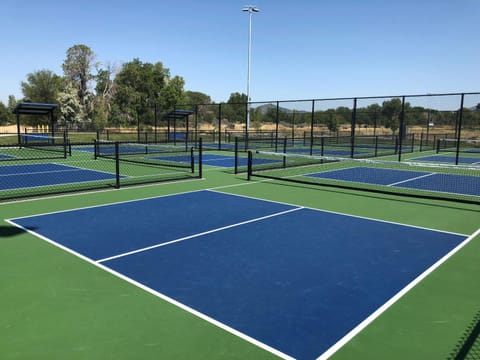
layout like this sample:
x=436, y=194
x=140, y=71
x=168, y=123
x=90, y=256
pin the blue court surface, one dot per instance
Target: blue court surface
x=292, y=278
x=228, y=161
x=225, y=146
x=34, y=175
x=3, y=156
x=225, y=161
x=419, y=180
x=449, y=159
x=326, y=151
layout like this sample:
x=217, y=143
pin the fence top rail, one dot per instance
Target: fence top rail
x=342, y=98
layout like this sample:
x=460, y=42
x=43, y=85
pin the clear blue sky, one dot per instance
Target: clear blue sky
x=301, y=49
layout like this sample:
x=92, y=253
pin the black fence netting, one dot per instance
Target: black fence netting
x=51, y=168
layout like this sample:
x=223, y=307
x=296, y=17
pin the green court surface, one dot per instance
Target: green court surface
x=55, y=305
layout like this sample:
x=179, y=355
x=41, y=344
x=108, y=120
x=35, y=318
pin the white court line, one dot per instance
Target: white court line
x=415, y=178
x=42, y=172
x=162, y=296
x=337, y=212
x=197, y=235
x=231, y=330
x=219, y=158
x=339, y=344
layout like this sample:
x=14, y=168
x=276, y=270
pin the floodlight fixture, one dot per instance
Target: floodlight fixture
x=251, y=8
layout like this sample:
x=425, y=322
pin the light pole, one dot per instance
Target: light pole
x=250, y=9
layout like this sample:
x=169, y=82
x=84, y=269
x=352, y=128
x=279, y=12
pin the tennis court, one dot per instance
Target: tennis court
x=46, y=174
x=299, y=242
x=449, y=159
x=419, y=180
x=237, y=262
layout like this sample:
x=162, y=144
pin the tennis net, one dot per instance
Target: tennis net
x=463, y=146
x=34, y=147
x=416, y=179
x=147, y=154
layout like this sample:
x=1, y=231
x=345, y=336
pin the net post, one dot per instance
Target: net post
x=249, y=165
x=438, y=146
x=95, y=149
x=65, y=145
x=376, y=146
x=117, y=166
x=236, y=156
x=200, y=158
x=284, y=151
x=322, y=144
x=192, y=160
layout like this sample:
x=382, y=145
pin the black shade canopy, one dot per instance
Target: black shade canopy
x=177, y=114
x=30, y=108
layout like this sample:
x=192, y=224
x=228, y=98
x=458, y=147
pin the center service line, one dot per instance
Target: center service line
x=197, y=235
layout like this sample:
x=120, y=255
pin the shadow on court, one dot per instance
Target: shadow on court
x=8, y=231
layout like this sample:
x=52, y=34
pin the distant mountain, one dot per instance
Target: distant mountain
x=263, y=109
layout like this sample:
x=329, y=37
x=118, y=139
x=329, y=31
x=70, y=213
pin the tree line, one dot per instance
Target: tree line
x=92, y=96
x=387, y=114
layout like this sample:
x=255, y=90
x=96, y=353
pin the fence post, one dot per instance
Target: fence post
x=117, y=166
x=401, y=129
x=219, y=126
x=352, y=130
x=311, y=127
x=460, y=116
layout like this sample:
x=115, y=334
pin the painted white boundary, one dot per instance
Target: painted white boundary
x=161, y=296
x=334, y=348
x=225, y=327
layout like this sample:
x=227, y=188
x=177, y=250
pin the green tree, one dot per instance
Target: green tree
x=77, y=68
x=197, y=98
x=206, y=110
x=4, y=114
x=391, y=110
x=70, y=107
x=105, y=90
x=100, y=114
x=12, y=103
x=331, y=120
x=172, y=93
x=374, y=114
x=41, y=86
x=138, y=86
x=235, y=108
